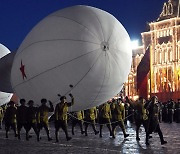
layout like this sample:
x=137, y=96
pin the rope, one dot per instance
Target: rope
x=98, y=123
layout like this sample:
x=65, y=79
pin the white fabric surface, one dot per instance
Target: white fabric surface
x=80, y=45
x=4, y=97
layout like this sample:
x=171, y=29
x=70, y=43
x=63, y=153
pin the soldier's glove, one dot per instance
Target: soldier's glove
x=50, y=102
x=71, y=95
x=59, y=95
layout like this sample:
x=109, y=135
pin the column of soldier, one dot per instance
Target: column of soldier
x=112, y=114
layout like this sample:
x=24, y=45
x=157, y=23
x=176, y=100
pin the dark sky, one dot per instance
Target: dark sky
x=18, y=17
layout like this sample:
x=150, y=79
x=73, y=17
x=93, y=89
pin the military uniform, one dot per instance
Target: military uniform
x=141, y=116
x=118, y=117
x=21, y=119
x=10, y=118
x=61, y=116
x=177, y=111
x=89, y=118
x=77, y=119
x=42, y=117
x=153, y=120
x=32, y=120
x=170, y=107
x=104, y=117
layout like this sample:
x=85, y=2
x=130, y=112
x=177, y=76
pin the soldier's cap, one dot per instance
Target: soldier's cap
x=120, y=99
x=30, y=102
x=43, y=100
x=22, y=100
x=11, y=103
x=62, y=97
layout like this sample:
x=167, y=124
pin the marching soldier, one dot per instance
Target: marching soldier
x=22, y=117
x=153, y=119
x=118, y=117
x=130, y=109
x=42, y=119
x=170, y=107
x=177, y=111
x=61, y=116
x=104, y=117
x=32, y=119
x=10, y=118
x=78, y=119
x=141, y=116
x=90, y=118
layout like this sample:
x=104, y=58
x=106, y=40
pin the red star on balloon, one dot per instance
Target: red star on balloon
x=22, y=69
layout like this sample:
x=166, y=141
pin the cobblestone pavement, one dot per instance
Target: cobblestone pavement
x=92, y=144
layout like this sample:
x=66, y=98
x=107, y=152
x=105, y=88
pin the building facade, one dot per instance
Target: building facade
x=164, y=39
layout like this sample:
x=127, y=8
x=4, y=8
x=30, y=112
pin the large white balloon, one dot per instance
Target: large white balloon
x=80, y=45
x=4, y=97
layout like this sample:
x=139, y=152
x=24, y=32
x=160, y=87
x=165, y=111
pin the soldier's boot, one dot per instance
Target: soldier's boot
x=162, y=138
x=86, y=130
x=137, y=135
x=81, y=127
x=94, y=128
x=48, y=134
x=6, y=134
x=147, y=139
x=49, y=138
x=1, y=125
x=67, y=136
x=56, y=134
x=100, y=130
x=38, y=137
x=27, y=136
x=163, y=142
x=125, y=135
x=37, y=134
x=72, y=130
x=110, y=130
x=19, y=136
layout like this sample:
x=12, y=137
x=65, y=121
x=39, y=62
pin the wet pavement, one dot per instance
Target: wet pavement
x=92, y=144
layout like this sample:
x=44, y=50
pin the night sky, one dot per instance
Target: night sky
x=18, y=17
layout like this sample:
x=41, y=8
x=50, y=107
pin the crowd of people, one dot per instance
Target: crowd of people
x=113, y=113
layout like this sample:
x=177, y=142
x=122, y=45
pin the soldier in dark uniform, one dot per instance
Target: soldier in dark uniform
x=160, y=111
x=42, y=119
x=177, y=111
x=118, y=117
x=105, y=117
x=10, y=118
x=90, y=116
x=78, y=119
x=32, y=119
x=130, y=109
x=170, y=107
x=141, y=116
x=22, y=117
x=164, y=112
x=153, y=120
x=61, y=116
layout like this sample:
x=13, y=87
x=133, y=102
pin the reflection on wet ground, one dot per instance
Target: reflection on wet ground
x=93, y=144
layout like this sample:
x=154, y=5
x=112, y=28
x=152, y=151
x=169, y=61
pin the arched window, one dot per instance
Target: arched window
x=170, y=9
x=165, y=10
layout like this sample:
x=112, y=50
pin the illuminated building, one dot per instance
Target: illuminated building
x=163, y=38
